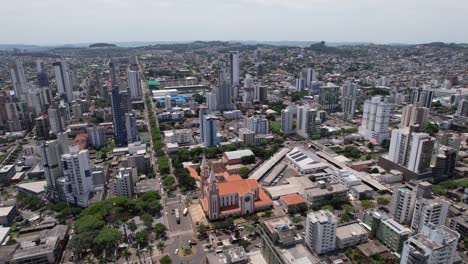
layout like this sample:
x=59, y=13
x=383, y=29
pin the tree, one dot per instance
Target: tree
x=348, y=208
x=296, y=219
x=161, y=246
x=248, y=159
x=244, y=172
x=147, y=220
x=327, y=207
x=315, y=137
x=132, y=225
x=202, y=228
x=165, y=260
x=297, y=208
x=142, y=237
x=198, y=98
x=431, y=128
x=267, y=213
x=345, y=218
x=244, y=243
x=374, y=170
x=126, y=253
x=108, y=238
x=370, y=146
x=366, y=204
x=382, y=201
x=160, y=230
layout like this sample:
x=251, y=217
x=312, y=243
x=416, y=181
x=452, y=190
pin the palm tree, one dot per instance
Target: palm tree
x=161, y=246
x=150, y=249
x=126, y=254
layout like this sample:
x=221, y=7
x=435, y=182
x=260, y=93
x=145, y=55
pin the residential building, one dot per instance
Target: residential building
x=329, y=97
x=247, y=136
x=235, y=255
x=411, y=150
x=18, y=78
x=306, y=121
x=134, y=84
x=444, y=163
x=7, y=172
x=96, y=136
x=258, y=125
x=131, y=127
x=123, y=184
x=287, y=121
x=462, y=109
x=223, y=92
x=50, y=153
x=8, y=215
x=422, y=97
x=209, y=131
x=433, y=245
x=120, y=105
x=179, y=136
x=321, y=231
x=57, y=122
x=414, y=116
x=402, y=205
x=63, y=80
x=375, y=119
x=392, y=234
x=261, y=93
x=459, y=224
x=42, y=127
x=323, y=191
x=350, y=235
x=432, y=211
x=234, y=72
x=348, y=100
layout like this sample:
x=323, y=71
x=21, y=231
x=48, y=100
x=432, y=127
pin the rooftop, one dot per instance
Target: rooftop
x=34, y=187
x=290, y=199
x=5, y=210
x=238, y=154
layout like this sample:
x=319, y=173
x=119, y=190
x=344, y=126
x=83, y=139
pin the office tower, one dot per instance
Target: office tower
x=348, y=100
x=131, y=127
x=321, y=231
x=223, y=92
x=210, y=132
x=306, y=121
x=18, y=116
x=307, y=74
x=429, y=211
x=433, y=245
x=134, y=84
x=62, y=78
x=168, y=102
x=201, y=121
x=42, y=77
x=77, y=178
x=261, y=93
x=414, y=116
x=247, y=136
x=329, y=97
x=211, y=101
x=123, y=184
x=258, y=125
x=411, y=150
x=234, y=72
x=96, y=136
x=287, y=121
x=375, y=118
x=462, y=109
x=300, y=84
x=42, y=127
x=18, y=78
x=120, y=105
x=52, y=165
x=37, y=99
x=421, y=97
x=402, y=205
x=444, y=163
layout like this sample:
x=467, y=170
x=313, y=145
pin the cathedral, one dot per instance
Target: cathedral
x=228, y=195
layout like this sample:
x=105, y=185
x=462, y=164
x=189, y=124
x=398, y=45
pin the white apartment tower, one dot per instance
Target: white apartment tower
x=305, y=124
x=77, y=180
x=258, y=125
x=96, y=136
x=52, y=165
x=62, y=78
x=234, y=72
x=414, y=116
x=134, y=85
x=432, y=211
x=123, y=185
x=402, y=205
x=287, y=121
x=348, y=100
x=321, y=231
x=433, y=245
x=18, y=78
x=131, y=127
x=375, y=118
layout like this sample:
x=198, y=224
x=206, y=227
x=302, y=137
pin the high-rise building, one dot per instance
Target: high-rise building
x=42, y=77
x=42, y=127
x=261, y=93
x=168, y=102
x=120, y=105
x=96, y=136
x=429, y=211
x=211, y=101
x=18, y=78
x=320, y=234
x=306, y=121
x=308, y=75
x=258, y=125
x=421, y=97
x=131, y=127
x=201, y=120
x=433, y=245
x=287, y=121
x=329, y=97
x=300, y=84
x=376, y=115
x=462, y=109
x=248, y=89
x=414, y=116
x=451, y=140
x=52, y=165
x=63, y=80
x=77, y=180
x=444, y=163
x=247, y=136
x=123, y=184
x=223, y=92
x=411, y=150
x=210, y=132
x=348, y=100
x=134, y=84
x=234, y=72
x=402, y=205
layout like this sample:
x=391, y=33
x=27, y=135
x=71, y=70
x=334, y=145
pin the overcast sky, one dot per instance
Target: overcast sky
x=378, y=21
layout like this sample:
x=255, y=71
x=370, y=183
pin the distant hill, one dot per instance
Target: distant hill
x=102, y=45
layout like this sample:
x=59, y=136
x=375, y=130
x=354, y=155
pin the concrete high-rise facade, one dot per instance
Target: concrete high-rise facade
x=462, y=109
x=421, y=97
x=77, y=180
x=131, y=127
x=247, y=136
x=348, y=100
x=329, y=97
x=52, y=165
x=432, y=211
x=223, y=92
x=433, y=245
x=96, y=136
x=261, y=93
x=120, y=104
x=63, y=80
x=287, y=121
x=444, y=163
x=134, y=84
x=42, y=127
x=234, y=73
x=402, y=205
x=258, y=125
x=320, y=235
x=18, y=78
x=411, y=150
x=123, y=184
x=376, y=115
x=210, y=137
x=306, y=121
x=414, y=116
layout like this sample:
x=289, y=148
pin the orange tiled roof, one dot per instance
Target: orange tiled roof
x=193, y=172
x=81, y=140
x=292, y=199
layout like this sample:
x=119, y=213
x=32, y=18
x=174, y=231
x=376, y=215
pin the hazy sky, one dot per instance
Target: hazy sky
x=380, y=21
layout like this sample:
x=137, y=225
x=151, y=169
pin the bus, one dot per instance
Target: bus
x=185, y=211
x=177, y=215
